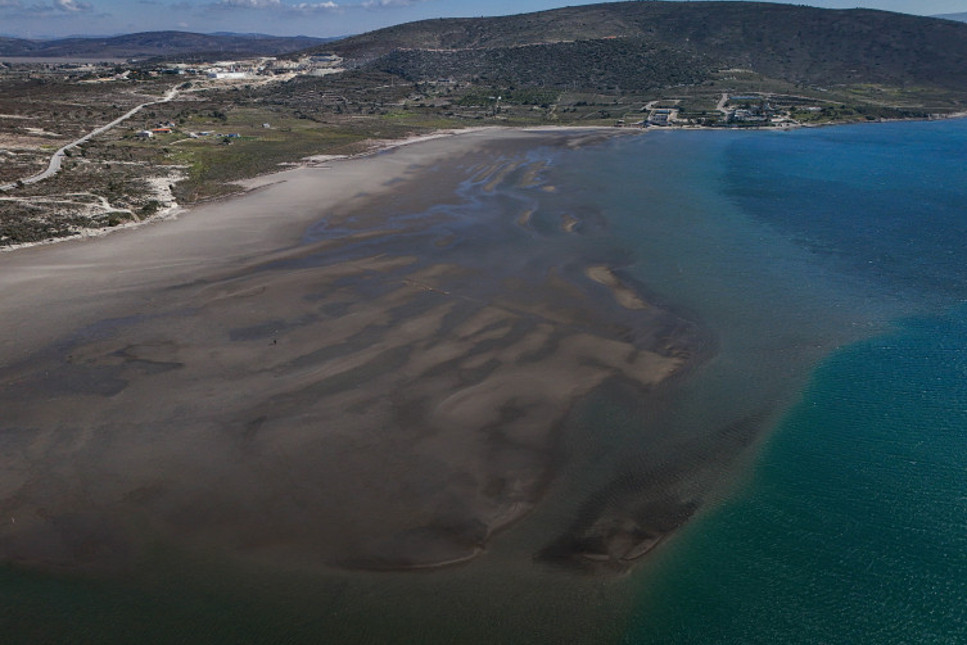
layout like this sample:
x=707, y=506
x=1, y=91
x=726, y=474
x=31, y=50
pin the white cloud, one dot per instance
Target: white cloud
x=51, y=9
x=71, y=6
x=279, y=6
x=315, y=6
x=370, y=4
x=248, y=4
x=275, y=5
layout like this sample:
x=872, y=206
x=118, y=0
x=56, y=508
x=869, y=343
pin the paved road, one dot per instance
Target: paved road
x=54, y=166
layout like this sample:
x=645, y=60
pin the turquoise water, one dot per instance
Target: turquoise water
x=852, y=527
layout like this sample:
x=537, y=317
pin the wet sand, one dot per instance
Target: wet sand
x=316, y=375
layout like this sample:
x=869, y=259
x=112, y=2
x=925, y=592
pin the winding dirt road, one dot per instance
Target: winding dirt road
x=53, y=167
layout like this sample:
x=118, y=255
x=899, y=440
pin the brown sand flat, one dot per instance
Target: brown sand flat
x=569, y=223
x=624, y=295
x=355, y=396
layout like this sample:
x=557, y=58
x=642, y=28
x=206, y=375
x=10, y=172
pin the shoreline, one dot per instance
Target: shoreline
x=380, y=146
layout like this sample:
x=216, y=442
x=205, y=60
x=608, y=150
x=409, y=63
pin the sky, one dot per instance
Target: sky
x=323, y=18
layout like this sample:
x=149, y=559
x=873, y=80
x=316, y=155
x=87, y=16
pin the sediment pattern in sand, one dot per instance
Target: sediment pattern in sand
x=386, y=394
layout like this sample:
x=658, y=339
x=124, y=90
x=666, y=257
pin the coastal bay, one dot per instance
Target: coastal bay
x=518, y=362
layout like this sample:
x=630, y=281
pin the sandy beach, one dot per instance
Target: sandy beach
x=333, y=369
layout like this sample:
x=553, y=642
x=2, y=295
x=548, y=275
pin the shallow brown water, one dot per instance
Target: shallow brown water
x=391, y=381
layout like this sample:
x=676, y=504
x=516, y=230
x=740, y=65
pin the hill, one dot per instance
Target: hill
x=157, y=44
x=658, y=44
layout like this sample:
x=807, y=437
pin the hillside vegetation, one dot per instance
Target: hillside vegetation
x=626, y=64
x=669, y=43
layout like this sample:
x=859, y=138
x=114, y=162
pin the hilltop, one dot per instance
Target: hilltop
x=682, y=41
x=157, y=44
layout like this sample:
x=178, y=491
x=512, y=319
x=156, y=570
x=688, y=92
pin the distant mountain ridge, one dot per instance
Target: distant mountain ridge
x=154, y=44
x=961, y=17
x=798, y=44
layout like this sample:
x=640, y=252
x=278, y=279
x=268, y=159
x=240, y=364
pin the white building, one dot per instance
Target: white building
x=227, y=75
